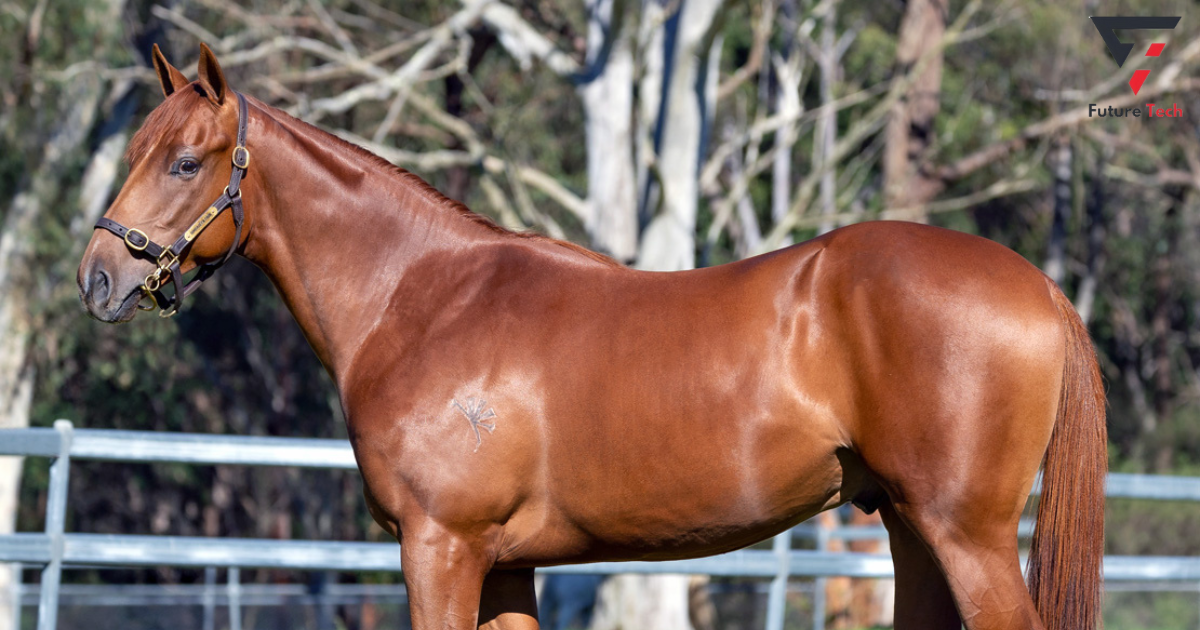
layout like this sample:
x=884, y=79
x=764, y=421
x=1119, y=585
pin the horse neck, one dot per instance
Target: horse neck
x=336, y=229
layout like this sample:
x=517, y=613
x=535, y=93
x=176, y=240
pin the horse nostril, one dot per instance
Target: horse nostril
x=101, y=287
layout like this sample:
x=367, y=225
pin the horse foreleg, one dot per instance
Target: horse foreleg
x=508, y=601
x=923, y=599
x=444, y=579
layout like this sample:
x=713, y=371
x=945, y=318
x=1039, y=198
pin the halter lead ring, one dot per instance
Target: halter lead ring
x=168, y=259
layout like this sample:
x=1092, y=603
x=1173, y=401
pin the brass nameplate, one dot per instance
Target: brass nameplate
x=201, y=223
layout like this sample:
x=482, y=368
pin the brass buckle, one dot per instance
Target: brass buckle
x=166, y=259
x=244, y=153
x=153, y=282
x=135, y=247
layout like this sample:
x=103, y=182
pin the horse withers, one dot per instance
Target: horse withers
x=516, y=401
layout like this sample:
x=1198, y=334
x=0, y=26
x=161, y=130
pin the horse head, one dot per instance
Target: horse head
x=165, y=223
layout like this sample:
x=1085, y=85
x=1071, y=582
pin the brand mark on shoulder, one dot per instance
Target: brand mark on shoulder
x=477, y=413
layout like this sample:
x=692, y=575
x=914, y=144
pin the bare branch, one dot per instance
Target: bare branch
x=524, y=43
x=543, y=182
x=526, y=207
x=867, y=125
x=402, y=79
x=1001, y=188
x=1053, y=124
x=367, y=66
x=762, y=34
x=391, y=17
x=332, y=27
x=354, y=20
x=176, y=17
x=761, y=128
x=1156, y=180
x=455, y=125
x=1011, y=14
x=439, y=160
x=499, y=201
x=260, y=23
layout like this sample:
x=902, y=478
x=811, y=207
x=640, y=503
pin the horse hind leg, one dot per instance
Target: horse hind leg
x=980, y=565
x=923, y=599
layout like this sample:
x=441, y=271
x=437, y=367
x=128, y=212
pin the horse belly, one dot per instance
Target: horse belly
x=699, y=491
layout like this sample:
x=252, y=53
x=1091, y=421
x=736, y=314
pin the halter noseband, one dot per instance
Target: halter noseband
x=169, y=258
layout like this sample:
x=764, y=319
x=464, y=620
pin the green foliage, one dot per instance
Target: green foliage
x=870, y=61
x=1144, y=527
x=1151, y=611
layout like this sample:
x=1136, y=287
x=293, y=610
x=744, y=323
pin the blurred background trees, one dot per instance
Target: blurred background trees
x=666, y=133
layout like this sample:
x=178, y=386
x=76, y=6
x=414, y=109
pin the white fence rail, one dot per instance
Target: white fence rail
x=53, y=549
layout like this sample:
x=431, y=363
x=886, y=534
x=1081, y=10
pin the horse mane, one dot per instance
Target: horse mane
x=175, y=110
x=434, y=195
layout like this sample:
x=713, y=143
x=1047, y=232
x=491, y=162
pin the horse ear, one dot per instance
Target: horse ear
x=211, y=77
x=169, y=76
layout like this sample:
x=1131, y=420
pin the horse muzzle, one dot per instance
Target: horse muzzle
x=104, y=296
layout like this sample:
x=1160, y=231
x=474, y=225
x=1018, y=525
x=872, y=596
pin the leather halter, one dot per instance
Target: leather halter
x=170, y=258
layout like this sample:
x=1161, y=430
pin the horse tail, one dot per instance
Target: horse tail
x=1065, y=563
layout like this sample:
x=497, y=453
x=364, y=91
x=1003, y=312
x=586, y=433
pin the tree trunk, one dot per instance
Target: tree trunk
x=73, y=116
x=1085, y=297
x=16, y=393
x=788, y=75
x=744, y=231
x=688, y=96
x=458, y=178
x=20, y=232
x=1162, y=329
x=606, y=90
x=642, y=601
x=826, y=131
x=910, y=127
x=1056, y=255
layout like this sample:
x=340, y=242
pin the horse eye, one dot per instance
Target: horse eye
x=187, y=166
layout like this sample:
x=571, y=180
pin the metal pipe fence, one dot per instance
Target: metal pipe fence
x=54, y=549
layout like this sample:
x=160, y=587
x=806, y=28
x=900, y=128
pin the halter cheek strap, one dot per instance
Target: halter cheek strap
x=168, y=259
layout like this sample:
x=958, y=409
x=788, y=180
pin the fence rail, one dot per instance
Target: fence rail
x=54, y=548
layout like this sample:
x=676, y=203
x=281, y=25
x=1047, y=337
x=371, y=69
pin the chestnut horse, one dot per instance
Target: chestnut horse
x=516, y=401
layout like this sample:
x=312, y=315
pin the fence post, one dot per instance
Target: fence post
x=777, y=596
x=17, y=592
x=56, y=516
x=325, y=607
x=234, y=584
x=819, y=584
x=209, y=598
